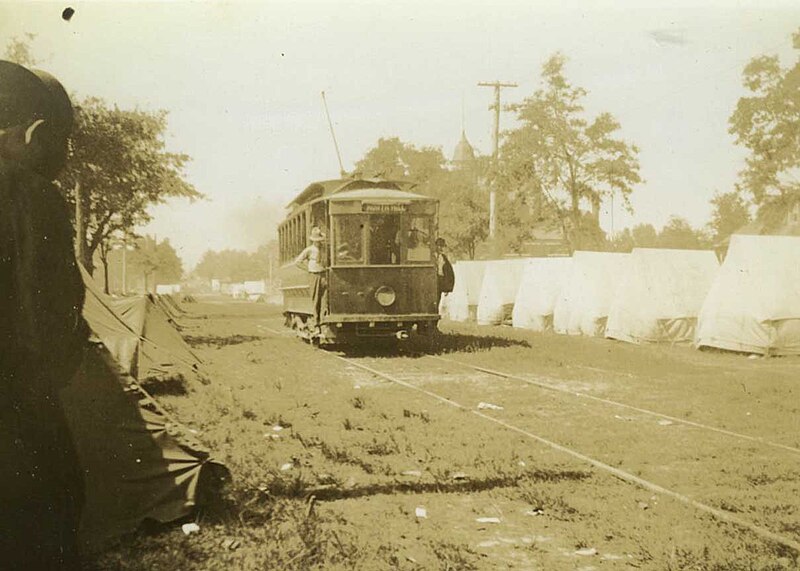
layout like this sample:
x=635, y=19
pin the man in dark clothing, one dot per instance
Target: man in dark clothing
x=445, y=276
x=42, y=333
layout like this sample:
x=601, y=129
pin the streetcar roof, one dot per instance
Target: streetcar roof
x=327, y=188
x=378, y=194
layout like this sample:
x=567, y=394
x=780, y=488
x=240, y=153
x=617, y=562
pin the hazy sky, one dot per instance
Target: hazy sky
x=242, y=83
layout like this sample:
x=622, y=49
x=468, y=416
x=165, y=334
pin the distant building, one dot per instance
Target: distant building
x=463, y=153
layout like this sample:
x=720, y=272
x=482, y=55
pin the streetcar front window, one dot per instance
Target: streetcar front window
x=384, y=239
x=348, y=246
x=418, y=239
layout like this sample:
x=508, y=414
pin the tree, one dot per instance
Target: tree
x=463, y=207
x=558, y=160
x=393, y=159
x=18, y=50
x=144, y=259
x=731, y=212
x=644, y=236
x=119, y=167
x=679, y=234
x=767, y=123
x=640, y=236
x=234, y=265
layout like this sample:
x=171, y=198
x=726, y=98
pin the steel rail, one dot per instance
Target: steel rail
x=621, y=474
x=551, y=387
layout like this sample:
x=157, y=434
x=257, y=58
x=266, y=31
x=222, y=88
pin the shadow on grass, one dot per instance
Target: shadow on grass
x=172, y=386
x=441, y=344
x=216, y=341
x=330, y=493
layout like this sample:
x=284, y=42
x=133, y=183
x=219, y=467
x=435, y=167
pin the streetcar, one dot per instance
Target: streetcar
x=379, y=258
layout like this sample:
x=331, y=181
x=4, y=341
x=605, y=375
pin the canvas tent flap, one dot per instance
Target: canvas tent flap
x=660, y=295
x=106, y=326
x=139, y=335
x=499, y=288
x=584, y=302
x=542, y=280
x=463, y=300
x=137, y=463
x=170, y=307
x=754, y=302
x=167, y=354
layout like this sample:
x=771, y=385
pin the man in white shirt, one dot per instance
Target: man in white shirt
x=312, y=260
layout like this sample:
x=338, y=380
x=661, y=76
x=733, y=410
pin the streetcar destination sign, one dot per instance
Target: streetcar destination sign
x=383, y=208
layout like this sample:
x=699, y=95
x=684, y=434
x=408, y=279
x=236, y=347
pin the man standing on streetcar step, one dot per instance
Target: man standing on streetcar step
x=445, y=276
x=42, y=332
x=312, y=259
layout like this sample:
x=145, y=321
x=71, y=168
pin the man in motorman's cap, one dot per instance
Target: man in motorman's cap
x=42, y=333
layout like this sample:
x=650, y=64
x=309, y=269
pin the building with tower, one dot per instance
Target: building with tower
x=463, y=153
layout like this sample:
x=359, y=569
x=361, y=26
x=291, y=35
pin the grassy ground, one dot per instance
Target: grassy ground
x=333, y=467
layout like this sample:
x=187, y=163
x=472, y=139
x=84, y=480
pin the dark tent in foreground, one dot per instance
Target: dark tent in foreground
x=139, y=335
x=138, y=463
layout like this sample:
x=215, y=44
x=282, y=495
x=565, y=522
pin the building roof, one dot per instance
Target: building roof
x=464, y=151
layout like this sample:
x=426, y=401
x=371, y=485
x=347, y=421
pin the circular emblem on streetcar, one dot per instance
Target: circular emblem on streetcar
x=385, y=296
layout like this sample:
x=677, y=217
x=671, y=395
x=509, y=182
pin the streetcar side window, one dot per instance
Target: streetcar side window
x=348, y=247
x=418, y=239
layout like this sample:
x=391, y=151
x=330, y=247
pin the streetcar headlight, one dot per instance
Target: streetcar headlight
x=385, y=296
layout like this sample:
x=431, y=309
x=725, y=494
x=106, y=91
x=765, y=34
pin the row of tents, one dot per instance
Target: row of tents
x=139, y=464
x=750, y=303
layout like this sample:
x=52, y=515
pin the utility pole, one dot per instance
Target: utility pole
x=497, y=85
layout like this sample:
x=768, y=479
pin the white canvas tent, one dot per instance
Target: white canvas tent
x=501, y=280
x=583, y=304
x=542, y=280
x=462, y=302
x=660, y=295
x=754, y=303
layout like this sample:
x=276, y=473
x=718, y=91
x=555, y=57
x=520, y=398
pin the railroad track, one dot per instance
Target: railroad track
x=403, y=379
x=410, y=371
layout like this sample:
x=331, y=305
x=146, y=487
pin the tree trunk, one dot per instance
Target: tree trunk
x=596, y=208
x=87, y=261
x=104, y=259
x=105, y=274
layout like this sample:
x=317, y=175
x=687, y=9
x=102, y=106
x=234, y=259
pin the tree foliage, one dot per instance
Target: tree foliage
x=393, y=159
x=677, y=233
x=463, y=207
x=238, y=265
x=731, y=212
x=148, y=262
x=119, y=164
x=18, y=50
x=559, y=161
x=767, y=123
x=157, y=259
